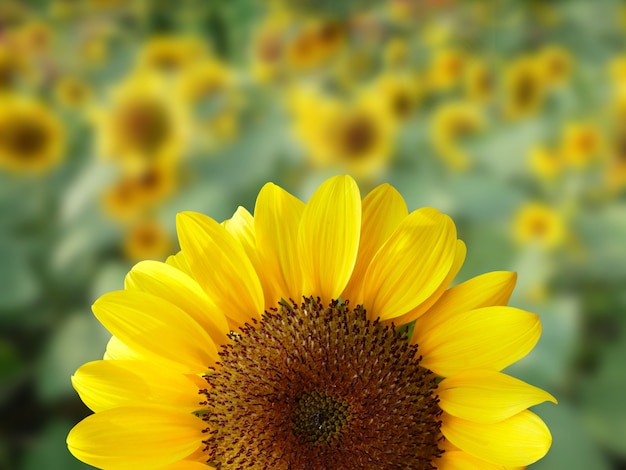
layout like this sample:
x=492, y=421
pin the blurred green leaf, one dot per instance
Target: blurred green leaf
x=79, y=339
x=49, y=451
x=603, y=397
x=571, y=447
x=18, y=284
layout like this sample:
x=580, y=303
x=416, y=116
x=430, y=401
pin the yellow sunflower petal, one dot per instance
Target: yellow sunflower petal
x=383, y=210
x=178, y=288
x=459, y=460
x=276, y=223
x=179, y=262
x=150, y=325
x=221, y=266
x=128, y=438
x=486, y=290
x=459, y=258
x=328, y=237
x=109, y=384
x=241, y=227
x=486, y=338
x=411, y=265
x=116, y=349
x=517, y=441
x=486, y=396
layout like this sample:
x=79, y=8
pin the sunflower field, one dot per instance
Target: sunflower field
x=507, y=115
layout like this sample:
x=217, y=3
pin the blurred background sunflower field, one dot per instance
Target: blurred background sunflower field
x=508, y=115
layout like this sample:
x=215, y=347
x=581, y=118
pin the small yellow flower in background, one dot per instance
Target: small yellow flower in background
x=32, y=138
x=452, y=122
x=524, y=88
x=555, y=63
x=356, y=134
x=540, y=224
x=34, y=37
x=480, y=84
x=396, y=53
x=399, y=95
x=171, y=54
x=135, y=193
x=617, y=69
x=204, y=80
x=147, y=239
x=545, y=162
x=446, y=69
x=582, y=143
x=72, y=91
x=143, y=124
x=313, y=44
x=268, y=47
x=221, y=355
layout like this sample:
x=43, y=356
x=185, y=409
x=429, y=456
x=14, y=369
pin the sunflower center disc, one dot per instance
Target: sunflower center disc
x=314, y=387
x=319, y=417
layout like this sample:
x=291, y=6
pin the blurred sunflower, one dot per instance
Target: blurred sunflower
x=399, y=94
x=452, y=122
x=268, y=47
x=144, y=123
x=539, y=223
x=582, y=142
x=171, y=54
x=545, y=162
x=446, y=69
x=197, y=374
x=137, y=192
x=480, y=85
x=396, y=54
x=147, y=239
x=356, y=134
x=32, y=138
x=524, y=88
x=313, y=45
x=73, y=92
x=555, y=63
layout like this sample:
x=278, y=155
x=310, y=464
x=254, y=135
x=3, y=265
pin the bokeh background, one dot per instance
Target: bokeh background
x=508, y=115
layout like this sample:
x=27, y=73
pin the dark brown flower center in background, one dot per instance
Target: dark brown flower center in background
x=24, y=138
x=311, y=387
x=358, y=136
x=145, y=124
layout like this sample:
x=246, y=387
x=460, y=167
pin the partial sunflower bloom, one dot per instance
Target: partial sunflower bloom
x=268, y=342
x=524, y=88
x=539, y=223
x=31, y=136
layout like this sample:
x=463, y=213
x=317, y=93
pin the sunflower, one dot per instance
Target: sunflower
x=143, y=124
x=170, y=54
x=399, y=95
x=446, y=69
x=269, y=342
x=539, y=223
x=31, y=136
x=147, y=239
x=452, y=122
x=480, y=85
x=582, y=142
x=545, y=162
x=72, y=91
x=136, y=192
x=357, y=134
x=524, y=88
x=555, y=63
